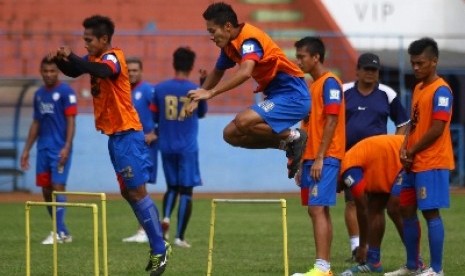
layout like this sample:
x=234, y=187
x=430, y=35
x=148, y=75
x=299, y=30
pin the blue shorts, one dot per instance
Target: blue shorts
x=153, y=152
x=130, y=158
x=47, y=172
x=322, y=193
x=181, y=169
x=397, y=185
x=286, y=105
x=431, y=188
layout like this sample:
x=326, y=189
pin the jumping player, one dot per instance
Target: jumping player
x=265, y=124
x=427, y=157
x=116, y=117
x=178, y=142
x=323, y=153
x=53, y=127
x=142, y=94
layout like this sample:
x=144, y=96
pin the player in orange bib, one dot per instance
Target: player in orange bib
x=116, y=117
x=371, y=169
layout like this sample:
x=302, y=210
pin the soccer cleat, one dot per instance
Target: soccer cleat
x=60, y=238
x=363, y=268
x=157, y=263
x=430, y=272
x=404, y=271
x=139, y=237
x=165, y=227
x=294, y=153
x=181, y=243
x=314, y=272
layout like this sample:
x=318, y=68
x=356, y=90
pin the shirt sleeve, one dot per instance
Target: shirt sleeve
x=70, y=102
x=442, y=104
x=112, y=61
x=397, y=113
x=332, y=96
x=251, y=50
x=224, y=62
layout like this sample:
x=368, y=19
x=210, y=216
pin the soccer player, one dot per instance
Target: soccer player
x=265, y=124
x=53, y=127
x=369, y=104
x=323, y=154
x=142, y=94
x=178, y=142
x=116, y=117
x=427, y=157
x=372, y=171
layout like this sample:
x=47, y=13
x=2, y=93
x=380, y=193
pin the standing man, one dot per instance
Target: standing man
x=116, y=117
x=427, y=157
x=266, y=124
x=178, y=142
x=369, y=104
x=142, y=94
x=323, y=154
x=372, y=171
x=53, y=127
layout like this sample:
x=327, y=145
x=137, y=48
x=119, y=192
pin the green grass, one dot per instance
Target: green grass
x=248, y=241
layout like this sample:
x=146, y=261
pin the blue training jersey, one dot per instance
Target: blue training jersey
x=142, y=95
x=367, y=115
x=51, y=106
x=175, y=135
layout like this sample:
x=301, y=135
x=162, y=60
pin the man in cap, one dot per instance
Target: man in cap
x=369, y=104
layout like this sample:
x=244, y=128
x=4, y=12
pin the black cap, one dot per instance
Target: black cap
x=368, y=60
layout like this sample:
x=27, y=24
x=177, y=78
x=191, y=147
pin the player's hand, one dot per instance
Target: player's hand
x=188, y=109
x=25, y=161
x=298, y=176
x=315, y=170
x=406, y=159
x=150, y=137
x=361, y=254
x=64, y=155
x=199, y=94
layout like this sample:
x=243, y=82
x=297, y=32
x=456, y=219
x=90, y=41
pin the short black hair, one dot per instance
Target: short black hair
x=221, y=13
x=100, y=25
x=46, y=60
x=183, y=59
x=134, y=60
x=314, y=45
x=421, y=45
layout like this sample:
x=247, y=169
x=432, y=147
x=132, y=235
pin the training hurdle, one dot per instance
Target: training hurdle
x=103, y=200
x=94, y=208
x=247, y=201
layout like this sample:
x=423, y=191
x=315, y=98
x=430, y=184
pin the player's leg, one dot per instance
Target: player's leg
x=131, y=161
x=350, y=218
x=433, y=194
x=319, y=198
x=393, y=205
x=377, y=224
x=170, y=163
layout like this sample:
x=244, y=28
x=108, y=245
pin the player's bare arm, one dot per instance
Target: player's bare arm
x=328, y=134
x=433, y=133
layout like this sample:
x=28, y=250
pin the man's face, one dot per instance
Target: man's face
x=368, y=75
x=221, y=35
x=423, y=65
x=49, y=73
x=135, y=73
x=95, y=46
x=305, y=61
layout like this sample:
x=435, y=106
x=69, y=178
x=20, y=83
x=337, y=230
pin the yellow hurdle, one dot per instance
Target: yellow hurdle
x=94, y=208
x=247, y=201
x=103, y=200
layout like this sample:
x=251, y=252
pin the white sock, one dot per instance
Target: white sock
x=294, y=134
x=354, y=242
x=322, y=265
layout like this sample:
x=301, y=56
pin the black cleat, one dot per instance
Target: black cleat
x=157, y=263
x=294, y=153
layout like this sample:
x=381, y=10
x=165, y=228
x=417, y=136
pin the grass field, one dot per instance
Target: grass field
x=248, y=241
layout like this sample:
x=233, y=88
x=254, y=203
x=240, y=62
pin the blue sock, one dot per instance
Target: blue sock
x=169, y=200
x=373, y=255
x=436, y=242
x=61, y=211
x=412, y=235
x=184, y=214
x=147, y=215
